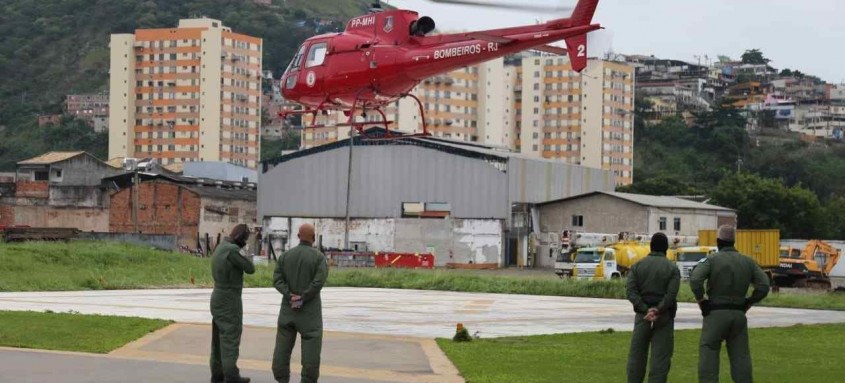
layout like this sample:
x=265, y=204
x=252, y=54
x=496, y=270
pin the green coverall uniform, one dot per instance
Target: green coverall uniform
x=227, y=268
x=301, y=271
x=728, y=274
x=653, y=283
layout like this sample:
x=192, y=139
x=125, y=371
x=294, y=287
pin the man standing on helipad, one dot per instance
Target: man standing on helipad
x=728, y=274
x=299, y=276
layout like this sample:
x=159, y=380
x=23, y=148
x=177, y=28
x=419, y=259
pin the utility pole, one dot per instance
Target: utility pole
x=348, y=186
x=136, y=188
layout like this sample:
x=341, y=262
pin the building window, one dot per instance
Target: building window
x=577, y=221
x=677, y=224
x=42, y=176
x=662, y=224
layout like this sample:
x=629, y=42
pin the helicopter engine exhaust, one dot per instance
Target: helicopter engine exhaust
x=422, y=26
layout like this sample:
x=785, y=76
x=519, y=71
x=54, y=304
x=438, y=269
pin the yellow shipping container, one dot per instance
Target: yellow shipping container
x=762, y=245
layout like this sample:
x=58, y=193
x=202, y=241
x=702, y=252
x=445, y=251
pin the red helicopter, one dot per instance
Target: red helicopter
x=382, y=56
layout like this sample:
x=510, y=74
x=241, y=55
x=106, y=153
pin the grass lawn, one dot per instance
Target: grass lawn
x=72, y=332
x=102, y=265
x=794, y=354
x=55, y=266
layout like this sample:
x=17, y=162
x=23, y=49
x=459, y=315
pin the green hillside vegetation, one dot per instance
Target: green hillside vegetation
x=51, y=48
x=783, y=184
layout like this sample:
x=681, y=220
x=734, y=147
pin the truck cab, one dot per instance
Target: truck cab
x=563, y=263
x=688, y=257
x=597, y=263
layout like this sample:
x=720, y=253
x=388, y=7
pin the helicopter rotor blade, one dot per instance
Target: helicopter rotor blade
x=511, y=6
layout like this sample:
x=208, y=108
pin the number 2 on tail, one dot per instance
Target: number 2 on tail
x=582, y=50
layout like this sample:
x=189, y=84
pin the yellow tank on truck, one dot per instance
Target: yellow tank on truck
x=629, y=253
x=762, y=245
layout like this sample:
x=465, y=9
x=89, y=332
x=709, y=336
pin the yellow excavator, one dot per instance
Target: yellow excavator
x=808, y=267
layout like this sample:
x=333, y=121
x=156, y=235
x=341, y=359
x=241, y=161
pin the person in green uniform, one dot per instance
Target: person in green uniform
x=299, y=276
x=652, y=288
x=227, y=269
x=728, y=274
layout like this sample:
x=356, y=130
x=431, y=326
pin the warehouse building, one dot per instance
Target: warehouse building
x=612, y=212
x=465, y=203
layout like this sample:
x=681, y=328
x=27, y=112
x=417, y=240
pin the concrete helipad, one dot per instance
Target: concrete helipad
x=409, y=313
x=372, y=335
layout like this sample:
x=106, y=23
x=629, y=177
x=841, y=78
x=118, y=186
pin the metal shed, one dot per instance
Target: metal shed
x=481, y=185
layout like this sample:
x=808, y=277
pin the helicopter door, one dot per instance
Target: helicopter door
x=315, y=60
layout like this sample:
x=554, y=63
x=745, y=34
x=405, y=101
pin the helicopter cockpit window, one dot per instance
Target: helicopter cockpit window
x=297, y=60
x=317, y=55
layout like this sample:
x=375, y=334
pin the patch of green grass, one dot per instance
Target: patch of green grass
x=112, y=266
x=72, y=332
x=55, y=266
x=793, y=354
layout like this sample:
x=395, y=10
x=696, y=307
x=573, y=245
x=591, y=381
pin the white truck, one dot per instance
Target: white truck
x=570, y=241
x=608, y=262
x=687, y=257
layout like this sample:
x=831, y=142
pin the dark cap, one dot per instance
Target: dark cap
x=659, y=243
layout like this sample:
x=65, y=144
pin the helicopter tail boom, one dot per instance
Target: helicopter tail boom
x=583, y=13
x=577, y=49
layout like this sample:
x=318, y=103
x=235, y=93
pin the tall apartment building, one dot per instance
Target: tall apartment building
x=535, y=105
x=467, y=104
x=191, y=93
x=585, y=119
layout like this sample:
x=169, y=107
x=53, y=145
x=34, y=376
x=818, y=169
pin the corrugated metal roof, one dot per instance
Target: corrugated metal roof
x=379, y=137
x=204, y=187
x=50, y=158
x=652, y=201
x=667, y=202
x=228, y=194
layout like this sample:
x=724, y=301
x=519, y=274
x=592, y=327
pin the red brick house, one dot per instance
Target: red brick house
x=199, y=211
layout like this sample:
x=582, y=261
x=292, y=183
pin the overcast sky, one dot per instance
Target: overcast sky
x=808, y=35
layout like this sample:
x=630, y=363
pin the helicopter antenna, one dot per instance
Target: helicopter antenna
x=375, y=7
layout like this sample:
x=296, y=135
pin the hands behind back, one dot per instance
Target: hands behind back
x=295, y=302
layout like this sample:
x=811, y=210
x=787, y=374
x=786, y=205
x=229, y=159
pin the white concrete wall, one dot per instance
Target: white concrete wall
x=122, y=95
x=691, y=221
x=210, y=88
x=450, y=240
x=592, y=118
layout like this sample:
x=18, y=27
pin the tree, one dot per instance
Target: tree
x=754, y=56
x=661, y=185
x=835, y=217
x=273, y=147
x=765, y=203
x=786, y=73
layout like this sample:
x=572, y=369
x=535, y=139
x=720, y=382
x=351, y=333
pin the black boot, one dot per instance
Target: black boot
x=218, y=379
x=240, y=379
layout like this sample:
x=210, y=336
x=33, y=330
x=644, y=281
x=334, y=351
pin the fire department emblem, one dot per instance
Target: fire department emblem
x=311, y=79
x=388, y=24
